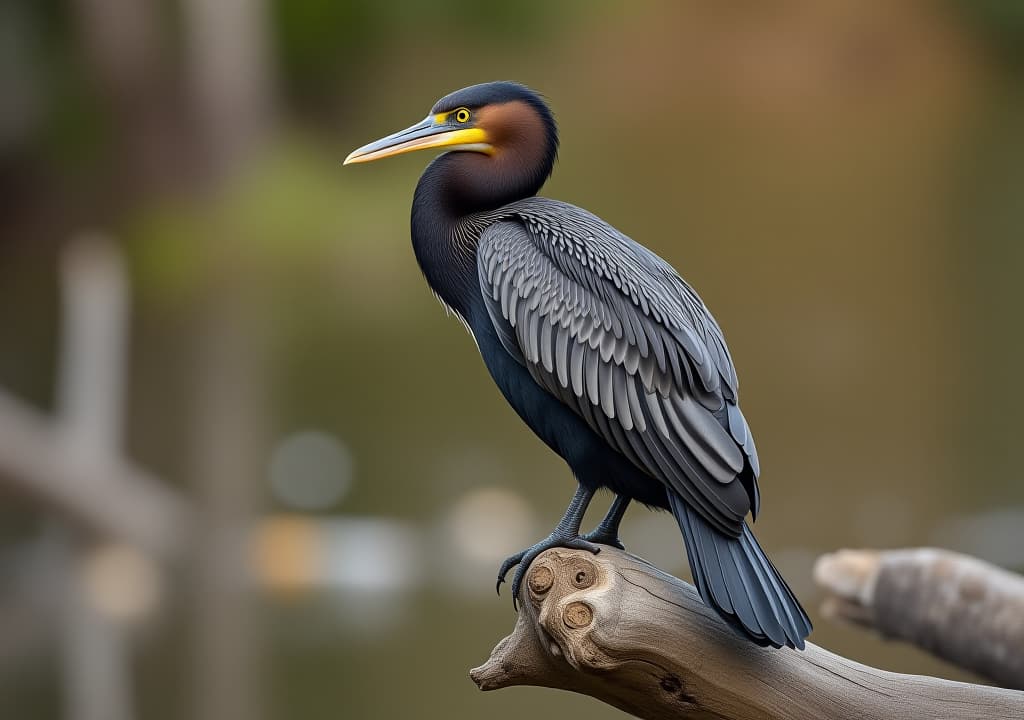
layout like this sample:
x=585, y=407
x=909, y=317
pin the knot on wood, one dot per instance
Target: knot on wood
x=558, y=573
x=541, y=579
x=582, y=573
x=577, y=615
x=671, y=684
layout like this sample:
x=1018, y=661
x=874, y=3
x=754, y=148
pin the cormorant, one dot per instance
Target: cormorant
x=601, y=348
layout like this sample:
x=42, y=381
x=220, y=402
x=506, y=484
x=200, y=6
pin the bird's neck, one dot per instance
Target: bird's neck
x=458, y=196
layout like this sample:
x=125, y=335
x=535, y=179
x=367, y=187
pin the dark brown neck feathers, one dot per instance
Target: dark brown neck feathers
x=458, y=187
x=517, y=167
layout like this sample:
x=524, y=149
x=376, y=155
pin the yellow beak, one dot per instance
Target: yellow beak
x=432, y=132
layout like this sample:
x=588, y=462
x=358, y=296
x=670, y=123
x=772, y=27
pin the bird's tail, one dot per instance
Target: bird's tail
x=737, y=579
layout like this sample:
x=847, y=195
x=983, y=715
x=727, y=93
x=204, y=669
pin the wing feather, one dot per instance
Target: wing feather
x=611, y=330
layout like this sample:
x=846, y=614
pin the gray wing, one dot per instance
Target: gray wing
x=611, y=329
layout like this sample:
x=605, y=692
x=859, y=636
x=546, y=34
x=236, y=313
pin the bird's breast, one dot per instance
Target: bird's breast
x=546, y=415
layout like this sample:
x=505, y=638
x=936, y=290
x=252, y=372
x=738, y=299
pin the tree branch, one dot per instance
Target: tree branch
x=959, y=608
x=618, y=629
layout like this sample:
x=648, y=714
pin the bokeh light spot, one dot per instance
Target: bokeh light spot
x=310, y=470
x=121, y=582
x=489, y=523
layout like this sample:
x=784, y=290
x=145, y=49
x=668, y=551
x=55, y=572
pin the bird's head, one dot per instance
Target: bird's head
x=504, y=122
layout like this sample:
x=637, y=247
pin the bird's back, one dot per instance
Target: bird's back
x=592, y=250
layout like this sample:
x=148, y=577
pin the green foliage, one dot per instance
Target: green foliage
x=322, y=45
x=1002, y=24
x=315, y=37
x=294, y=208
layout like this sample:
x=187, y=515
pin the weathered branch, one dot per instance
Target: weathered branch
x=960, y=608
x=614, y=627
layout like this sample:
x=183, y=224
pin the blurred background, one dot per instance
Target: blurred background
x=249, y=469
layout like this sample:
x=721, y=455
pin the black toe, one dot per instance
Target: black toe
x=602, y=537
x=526, y=557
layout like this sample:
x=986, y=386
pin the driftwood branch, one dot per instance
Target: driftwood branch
x=964, y=610
x=616, y=628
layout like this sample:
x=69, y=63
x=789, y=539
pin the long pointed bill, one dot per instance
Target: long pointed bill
x=426, y=134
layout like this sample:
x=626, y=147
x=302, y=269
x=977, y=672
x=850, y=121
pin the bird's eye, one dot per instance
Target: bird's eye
x=462, y=115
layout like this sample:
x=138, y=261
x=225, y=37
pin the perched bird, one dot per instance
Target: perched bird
x=601, y=348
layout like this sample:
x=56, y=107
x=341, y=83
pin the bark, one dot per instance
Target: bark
x=618, y=629
x=961, y=609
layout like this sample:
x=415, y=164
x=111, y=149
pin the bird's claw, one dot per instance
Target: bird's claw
x=526, y=557
x=509, y=562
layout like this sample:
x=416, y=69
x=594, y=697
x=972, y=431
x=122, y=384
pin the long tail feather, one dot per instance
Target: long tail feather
x=737, y=579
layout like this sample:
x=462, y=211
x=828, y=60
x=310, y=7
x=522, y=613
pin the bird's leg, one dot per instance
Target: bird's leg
x=566, y=534
x=607, y=531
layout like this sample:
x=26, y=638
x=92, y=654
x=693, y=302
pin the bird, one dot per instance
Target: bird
x=599, y=346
